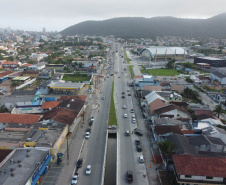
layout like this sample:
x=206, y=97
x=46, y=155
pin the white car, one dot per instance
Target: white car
x=134, y=120
x=92, y=118
x=74, y=179
x=141, y=159
x=133, y=116
x=88, y=170
x=87, y=135
x=125, y=115
x=124, y=107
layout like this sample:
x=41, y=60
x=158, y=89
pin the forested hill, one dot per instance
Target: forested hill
x=139, y=27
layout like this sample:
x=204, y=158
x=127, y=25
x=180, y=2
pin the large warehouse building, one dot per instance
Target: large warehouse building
x=162, y=53
x=214, y=62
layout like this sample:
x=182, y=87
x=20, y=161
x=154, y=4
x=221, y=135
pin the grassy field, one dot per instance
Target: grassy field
x=131, y=71
x=112, y=120
x=127, y=59
x=160, y=72
x=73, y=78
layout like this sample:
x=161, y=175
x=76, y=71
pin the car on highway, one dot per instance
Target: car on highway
x=129, y=176
x=139, y=148
x=129, y=94
x=92, y=118
x=133, y=116
x=123, y=96
x=87, y=135
x=132, y=110
x=127, y=133
x=79, y=163
x=138, y=132
x=74, y=179
x=88, y=170
x=88, y=130
x=103, y=98
x=124, y=107
x=137, y=142
x=133, y=120
x=141, y=159
x=125, y=115
x=90, y=122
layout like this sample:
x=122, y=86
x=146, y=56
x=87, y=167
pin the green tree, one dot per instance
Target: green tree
x=170, y=64
x=80, y=65
x=219, y=110
x=167, y=148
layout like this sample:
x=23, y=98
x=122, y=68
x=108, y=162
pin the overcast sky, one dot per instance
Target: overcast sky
x=56, y=15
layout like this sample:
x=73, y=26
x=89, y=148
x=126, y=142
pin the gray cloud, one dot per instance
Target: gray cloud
x=59, y=14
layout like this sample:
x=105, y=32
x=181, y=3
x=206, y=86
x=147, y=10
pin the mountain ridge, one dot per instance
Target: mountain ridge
x=140, y=27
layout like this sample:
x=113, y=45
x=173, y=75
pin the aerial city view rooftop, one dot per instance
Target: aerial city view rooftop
x=115, y=94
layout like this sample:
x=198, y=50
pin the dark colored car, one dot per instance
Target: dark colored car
x=129, y=94
x=137, y=142
x=79, y=163
x=138, y=132
x=129, y=176
x=139, y=148
x=90, y=123
x=88, y=130
x=123, y=96
x=132, y=111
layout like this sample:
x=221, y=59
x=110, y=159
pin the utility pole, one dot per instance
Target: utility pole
x=67, y=152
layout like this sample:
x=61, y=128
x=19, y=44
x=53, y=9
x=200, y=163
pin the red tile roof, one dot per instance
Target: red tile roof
x=9, y=62
x=170, y=107
x=164, y=129
x=200, y=165
x=50, y=104
x=139, y=76
x=5, y=73
x=19, y=118
x=60, y=115
x=27, y=64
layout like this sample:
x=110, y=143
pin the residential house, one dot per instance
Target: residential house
x=182, y=144
x=215, y=132
x=220, y=98
x=37, y=67
x=33, y=74
x=200, y=170
x=171, y=111
x=188, y=70
x=9, y=64
x=171, y=96
x=219, y=76
x=152, y=88
x=45, y=75
x=68, y=112
x=49, y=105
x=205, y=143
x=151, y=102
x=177, y=87
x=160, y=132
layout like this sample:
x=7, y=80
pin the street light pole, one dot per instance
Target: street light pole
x=67, y=152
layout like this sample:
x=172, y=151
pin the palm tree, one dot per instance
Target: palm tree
x=167, y=149
x=219, y=110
